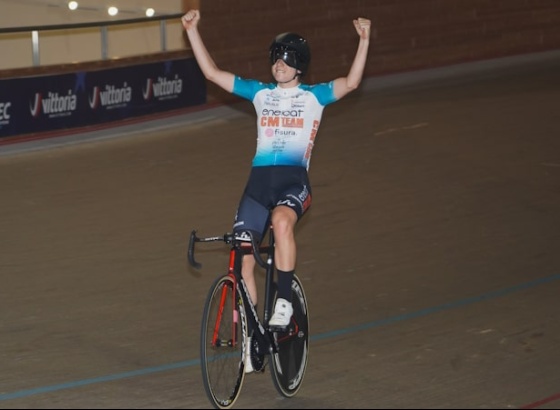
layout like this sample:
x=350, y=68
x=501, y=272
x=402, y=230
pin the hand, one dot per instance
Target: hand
x=363, y=27
x=190, y=19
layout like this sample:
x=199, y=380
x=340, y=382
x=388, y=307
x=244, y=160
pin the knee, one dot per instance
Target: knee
x=283, y=223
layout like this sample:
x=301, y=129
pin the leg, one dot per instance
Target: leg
x=291, y=205
x=251, y=216
x=284, y=220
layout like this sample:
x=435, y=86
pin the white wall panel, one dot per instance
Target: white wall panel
x=68, y=46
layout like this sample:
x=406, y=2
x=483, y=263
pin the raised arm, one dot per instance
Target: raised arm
x=222, y=78
x=344, y=85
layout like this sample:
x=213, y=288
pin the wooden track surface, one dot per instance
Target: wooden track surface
x=430, y=256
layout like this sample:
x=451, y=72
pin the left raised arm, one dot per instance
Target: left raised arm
x=344, y=85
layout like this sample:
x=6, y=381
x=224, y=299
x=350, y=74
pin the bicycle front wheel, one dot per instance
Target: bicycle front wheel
x=221, y=343
x=289, y=362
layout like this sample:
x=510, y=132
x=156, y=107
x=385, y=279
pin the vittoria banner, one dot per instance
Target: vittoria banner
x=48, y=103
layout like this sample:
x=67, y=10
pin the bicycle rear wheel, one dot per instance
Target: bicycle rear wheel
x=290, y=361
x=221, y=343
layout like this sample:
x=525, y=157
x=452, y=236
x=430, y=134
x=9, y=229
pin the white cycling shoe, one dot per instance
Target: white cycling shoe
x=283, y=312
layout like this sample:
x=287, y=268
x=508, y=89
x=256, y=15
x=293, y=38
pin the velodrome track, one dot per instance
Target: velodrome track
x=430, y=256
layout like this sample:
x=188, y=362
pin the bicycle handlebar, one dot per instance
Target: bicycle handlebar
x=227, y=238
x=193, y=239
x=256, y=252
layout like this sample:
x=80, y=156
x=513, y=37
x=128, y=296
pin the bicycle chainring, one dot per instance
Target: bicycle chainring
x=257, y=359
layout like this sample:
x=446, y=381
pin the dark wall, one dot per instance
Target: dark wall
x=406, y=34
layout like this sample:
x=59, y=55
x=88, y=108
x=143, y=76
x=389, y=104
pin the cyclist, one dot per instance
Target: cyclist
x=288, y=117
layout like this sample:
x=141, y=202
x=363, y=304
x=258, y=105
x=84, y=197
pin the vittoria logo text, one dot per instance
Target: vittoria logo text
x=54, y=105
x=111, y=96
x=163, y=88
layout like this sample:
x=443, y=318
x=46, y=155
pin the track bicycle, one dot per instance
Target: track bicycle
x=229, y=314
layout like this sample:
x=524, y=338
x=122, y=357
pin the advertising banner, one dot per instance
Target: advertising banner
x=55, y=102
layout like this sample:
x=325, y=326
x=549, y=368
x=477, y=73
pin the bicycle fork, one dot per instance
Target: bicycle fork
x=232, y=342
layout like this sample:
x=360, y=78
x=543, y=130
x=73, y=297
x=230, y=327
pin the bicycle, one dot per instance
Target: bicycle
x=228, y=312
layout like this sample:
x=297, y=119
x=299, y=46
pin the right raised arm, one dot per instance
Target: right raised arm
x=222, y=78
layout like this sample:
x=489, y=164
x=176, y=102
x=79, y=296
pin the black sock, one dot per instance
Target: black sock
x=285, y=284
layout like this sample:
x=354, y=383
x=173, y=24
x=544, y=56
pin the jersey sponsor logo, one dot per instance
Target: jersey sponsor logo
x=306, y=203
x=287, y=202
x=303, y=199
x=312, y=139
x=302, y=196
x=282, y=118
x=282, y=122
x=284, y=133
x=243, y=236
x=283, y=113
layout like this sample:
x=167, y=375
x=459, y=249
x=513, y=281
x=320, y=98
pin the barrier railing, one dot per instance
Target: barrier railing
x=103, y=26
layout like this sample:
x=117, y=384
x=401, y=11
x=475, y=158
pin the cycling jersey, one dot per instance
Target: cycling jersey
x=287, y=119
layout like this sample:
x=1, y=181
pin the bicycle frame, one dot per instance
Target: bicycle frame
x=224, y=352
x=240, y=248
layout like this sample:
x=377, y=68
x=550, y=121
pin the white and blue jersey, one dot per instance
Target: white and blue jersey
x=287, y=119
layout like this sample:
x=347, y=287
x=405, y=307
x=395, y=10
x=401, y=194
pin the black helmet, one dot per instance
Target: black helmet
x=292, y=49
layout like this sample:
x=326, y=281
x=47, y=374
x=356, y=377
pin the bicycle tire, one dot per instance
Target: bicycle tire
x=224, y=322
x=289, y=362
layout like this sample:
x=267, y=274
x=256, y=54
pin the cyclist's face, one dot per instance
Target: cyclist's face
x=283, y=73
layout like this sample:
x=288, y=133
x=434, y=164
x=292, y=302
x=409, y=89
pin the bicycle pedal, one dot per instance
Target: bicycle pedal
x=261, y=370
x=279, y=329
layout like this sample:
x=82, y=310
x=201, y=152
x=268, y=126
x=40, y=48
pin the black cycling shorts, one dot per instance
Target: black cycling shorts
x=267, y=188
